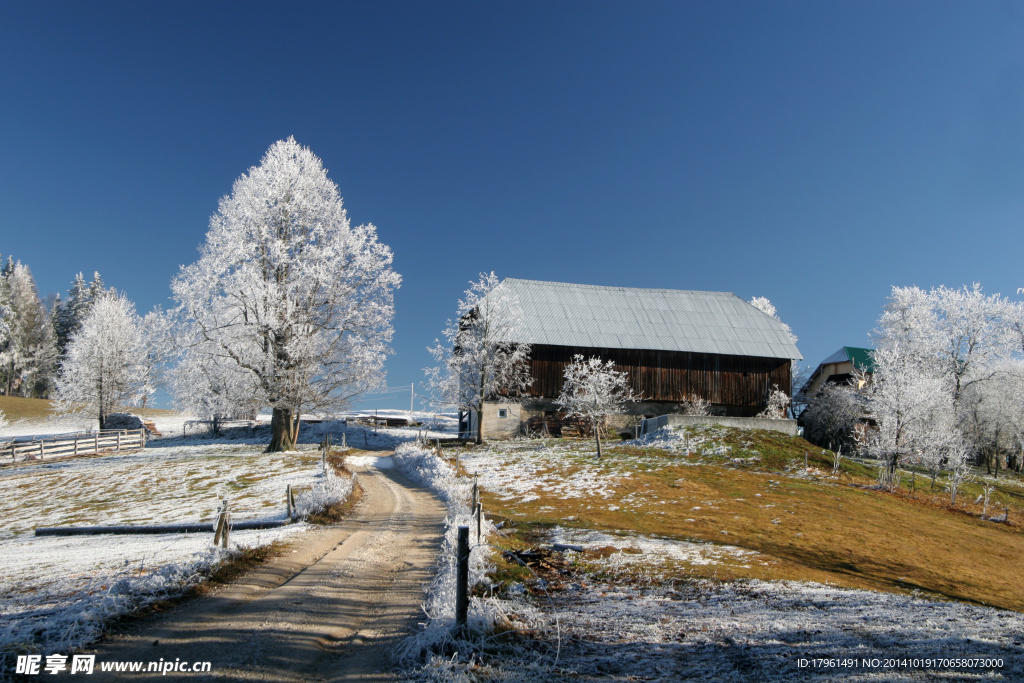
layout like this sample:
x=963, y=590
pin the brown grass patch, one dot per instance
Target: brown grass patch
x=820, y=529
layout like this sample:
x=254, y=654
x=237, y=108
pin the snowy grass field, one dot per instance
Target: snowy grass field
x=678, y=581
x=57, y=592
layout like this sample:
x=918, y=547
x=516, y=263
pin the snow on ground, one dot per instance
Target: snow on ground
x=56, y=592
x=760, y=631
x=659, y=624
x=655, y=551
x=511, y=472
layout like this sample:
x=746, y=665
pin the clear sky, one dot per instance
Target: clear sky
x=816, y=153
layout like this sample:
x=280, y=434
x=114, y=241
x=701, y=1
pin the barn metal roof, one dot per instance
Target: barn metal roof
x=565, y=314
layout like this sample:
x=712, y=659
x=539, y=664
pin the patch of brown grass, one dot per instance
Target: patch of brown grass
x=835, y=531
x=17, y=408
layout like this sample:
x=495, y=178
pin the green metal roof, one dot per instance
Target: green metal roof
x=861, y=358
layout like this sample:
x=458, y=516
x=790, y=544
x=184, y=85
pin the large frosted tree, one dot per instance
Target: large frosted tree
x=482, y=357
x=289, y=293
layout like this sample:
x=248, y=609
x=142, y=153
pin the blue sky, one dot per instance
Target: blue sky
x=814, y=153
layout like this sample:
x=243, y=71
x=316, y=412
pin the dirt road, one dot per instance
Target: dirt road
x=332, y=610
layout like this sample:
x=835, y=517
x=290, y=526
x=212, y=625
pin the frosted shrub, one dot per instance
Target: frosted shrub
x=695, y=405
x=778, y=404
x=329, y=489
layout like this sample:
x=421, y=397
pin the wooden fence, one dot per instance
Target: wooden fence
x=63, y=445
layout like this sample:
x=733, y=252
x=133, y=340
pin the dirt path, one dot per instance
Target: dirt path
x=332, y=610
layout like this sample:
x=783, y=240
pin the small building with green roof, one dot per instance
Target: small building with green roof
x=839, y=368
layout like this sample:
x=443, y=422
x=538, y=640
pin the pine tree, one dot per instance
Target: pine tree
x=28, y=357
x=69, y=314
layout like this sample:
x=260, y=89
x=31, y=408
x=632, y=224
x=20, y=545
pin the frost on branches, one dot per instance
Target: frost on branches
x=293, y=299
x=797, y=373
x=105, y=363
x=481, y=359
x=593, y=390
x=944, y=390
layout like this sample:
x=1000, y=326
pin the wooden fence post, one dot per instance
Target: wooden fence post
x=76, y=444
x=462, y=579
x=289, y=501
x=118, y=449
x=96, y=446
x=42, y=453
x=479, y=521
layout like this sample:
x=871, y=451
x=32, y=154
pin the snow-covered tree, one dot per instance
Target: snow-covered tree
x=289, y=292
x=69, y=313
x=105, y=365
x=832, y=417
x=28, y=354
x=593, y=390
x=482, y=358
x=798, y=374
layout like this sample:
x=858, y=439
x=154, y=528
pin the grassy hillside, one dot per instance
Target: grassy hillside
x=751, y=489
x=17, y=408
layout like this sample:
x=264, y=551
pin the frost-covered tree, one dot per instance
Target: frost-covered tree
x=832, y=417
x=289, y=292
x=481, y=358
x=593, y=390
x=105, y=365
x=204, y=381
x=973, y=333
x=798, y=374
x=28, y=354
x=69, y=313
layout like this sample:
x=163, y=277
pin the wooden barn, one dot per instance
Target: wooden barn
x=675, y=345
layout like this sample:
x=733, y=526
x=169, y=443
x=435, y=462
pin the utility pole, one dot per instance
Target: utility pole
x=412, y=393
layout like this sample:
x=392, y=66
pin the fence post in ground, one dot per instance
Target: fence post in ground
x=96, y=444
x=479, y=521
x=344, y=444
x=118, y=448
x=289, y=501
x=142, y=437
x=476, y=494
x=462, y=579
x=227, y=525
x=76, y=444
x=42, y=453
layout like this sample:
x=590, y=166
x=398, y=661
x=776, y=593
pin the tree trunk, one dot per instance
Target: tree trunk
x=597, y=435
x=284, y=431
x=480, y=425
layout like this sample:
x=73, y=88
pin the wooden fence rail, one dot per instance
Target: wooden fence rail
x=63, y=445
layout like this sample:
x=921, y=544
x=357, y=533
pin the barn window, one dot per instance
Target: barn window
x=502, y=412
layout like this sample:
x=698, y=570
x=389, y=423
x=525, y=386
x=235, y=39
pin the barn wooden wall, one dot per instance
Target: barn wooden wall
x=670, y=375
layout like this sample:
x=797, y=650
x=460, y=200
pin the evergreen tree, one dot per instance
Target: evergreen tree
x=28, y=355
x=69, y=314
